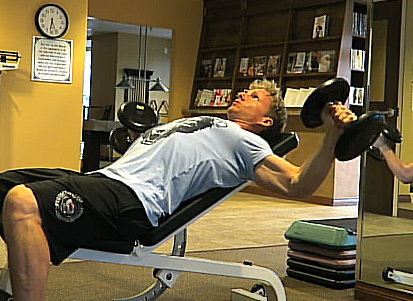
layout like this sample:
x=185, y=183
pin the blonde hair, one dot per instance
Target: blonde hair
x=277, y=110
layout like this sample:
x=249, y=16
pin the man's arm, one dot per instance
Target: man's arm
x=403, y=171
x=278, y=175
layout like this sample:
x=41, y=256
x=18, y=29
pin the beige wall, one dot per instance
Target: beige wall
x=184, y=17
x=40, y=122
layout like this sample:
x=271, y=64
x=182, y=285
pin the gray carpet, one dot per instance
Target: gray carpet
x=89, y=281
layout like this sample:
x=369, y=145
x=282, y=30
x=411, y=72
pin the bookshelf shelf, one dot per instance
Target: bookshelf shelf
x=316, y=41
x=257, y=30
x=313, y=74
x=359, y=37
x=215, y=79
x=217, y=49
x=251, y=78
x=285, y=31
x=261, y=45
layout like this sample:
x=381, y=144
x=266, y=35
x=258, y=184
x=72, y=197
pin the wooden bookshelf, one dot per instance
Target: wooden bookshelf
x=236, y=29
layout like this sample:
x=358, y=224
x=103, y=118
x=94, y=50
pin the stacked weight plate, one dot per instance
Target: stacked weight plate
x=323, y=251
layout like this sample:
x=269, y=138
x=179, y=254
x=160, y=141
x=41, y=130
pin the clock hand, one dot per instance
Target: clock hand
x=51, y=24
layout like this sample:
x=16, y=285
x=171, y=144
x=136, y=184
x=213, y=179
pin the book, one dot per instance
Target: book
x=296, y=62
x=326, y=60
x=260, y=63
x=360, y=24
x=273, y=65
x=311, y=62
x=358, y=57
x=222, y=97
x=206, y=97
x=198, y=98
x=243, y=66
x=356, y=96
x=206, y=68
x=296, y=97
x=219, y=67
x=250, y=68
x=290, y=98
x=320, y=26
x=213, y=98
x=303, y=95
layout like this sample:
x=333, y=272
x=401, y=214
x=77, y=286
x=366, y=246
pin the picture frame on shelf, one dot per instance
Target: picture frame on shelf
x=357, y=61
x=243, y=66
x=326, y=61
x=320, y=61
x=296, y=62
x=273, y=64
x=260, y=63
x=213, y=98
x=356, y=96
x=219, y=66
x=320, y=26
x=206, y=68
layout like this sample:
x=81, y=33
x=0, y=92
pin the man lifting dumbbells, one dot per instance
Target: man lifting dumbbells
x=48, y=214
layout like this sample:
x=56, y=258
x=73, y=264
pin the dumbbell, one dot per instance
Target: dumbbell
x=392, y=135
x=136, y=118
x=359, y=135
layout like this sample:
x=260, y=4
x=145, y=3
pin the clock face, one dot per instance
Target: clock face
x=52, y=21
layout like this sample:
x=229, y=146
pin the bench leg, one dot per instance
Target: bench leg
x=187, y=264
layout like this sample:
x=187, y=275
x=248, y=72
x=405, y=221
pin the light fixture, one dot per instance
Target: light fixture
x=159, y=86
x=124, y=84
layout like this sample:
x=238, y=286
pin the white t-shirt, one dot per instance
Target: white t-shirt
x=176, y=161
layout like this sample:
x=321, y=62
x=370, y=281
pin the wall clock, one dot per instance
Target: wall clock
x=52, y=21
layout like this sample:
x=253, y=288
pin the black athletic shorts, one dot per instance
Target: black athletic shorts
x=84, y=211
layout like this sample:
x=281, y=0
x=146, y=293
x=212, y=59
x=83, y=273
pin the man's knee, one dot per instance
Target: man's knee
x=20, y=203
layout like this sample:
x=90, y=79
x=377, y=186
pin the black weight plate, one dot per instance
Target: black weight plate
x=120, y=140
x=137, y=116
x=392, y=134
x=333, y=90
x=359, y=135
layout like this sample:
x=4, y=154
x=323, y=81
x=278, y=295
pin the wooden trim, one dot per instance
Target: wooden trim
x=367, y=292
x=405, y=213
x=404, y=198
x=253, y=189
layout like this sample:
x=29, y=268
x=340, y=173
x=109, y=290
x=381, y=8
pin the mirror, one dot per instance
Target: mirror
x=124, y=62
x=137, y=53
x=385, y=216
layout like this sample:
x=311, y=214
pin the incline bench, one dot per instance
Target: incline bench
x=167, y=268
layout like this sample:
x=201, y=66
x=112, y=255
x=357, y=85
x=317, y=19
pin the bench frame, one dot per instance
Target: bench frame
x=167, y=268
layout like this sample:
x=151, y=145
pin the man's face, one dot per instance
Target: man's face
x=251, y=106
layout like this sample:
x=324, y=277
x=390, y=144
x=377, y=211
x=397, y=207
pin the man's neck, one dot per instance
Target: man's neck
x=247, y=126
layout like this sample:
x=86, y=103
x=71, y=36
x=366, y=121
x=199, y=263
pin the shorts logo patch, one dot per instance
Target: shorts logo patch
x=68, y=206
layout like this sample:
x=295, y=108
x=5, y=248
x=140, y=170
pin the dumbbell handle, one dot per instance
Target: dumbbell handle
x=391, y=113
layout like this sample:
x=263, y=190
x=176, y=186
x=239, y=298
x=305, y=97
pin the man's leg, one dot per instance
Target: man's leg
x=28, y=250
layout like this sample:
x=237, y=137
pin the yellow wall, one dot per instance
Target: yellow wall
x=40, y=122
x=184, y=17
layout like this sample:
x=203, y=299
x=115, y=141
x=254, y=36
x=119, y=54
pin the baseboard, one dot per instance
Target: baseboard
x=314, y=199
x=404, y=198
x=368, y=292
x=405, y=213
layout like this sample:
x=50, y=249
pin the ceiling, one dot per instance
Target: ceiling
x=96, y=27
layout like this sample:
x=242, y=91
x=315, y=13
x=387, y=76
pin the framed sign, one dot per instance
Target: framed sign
x=52, y=60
